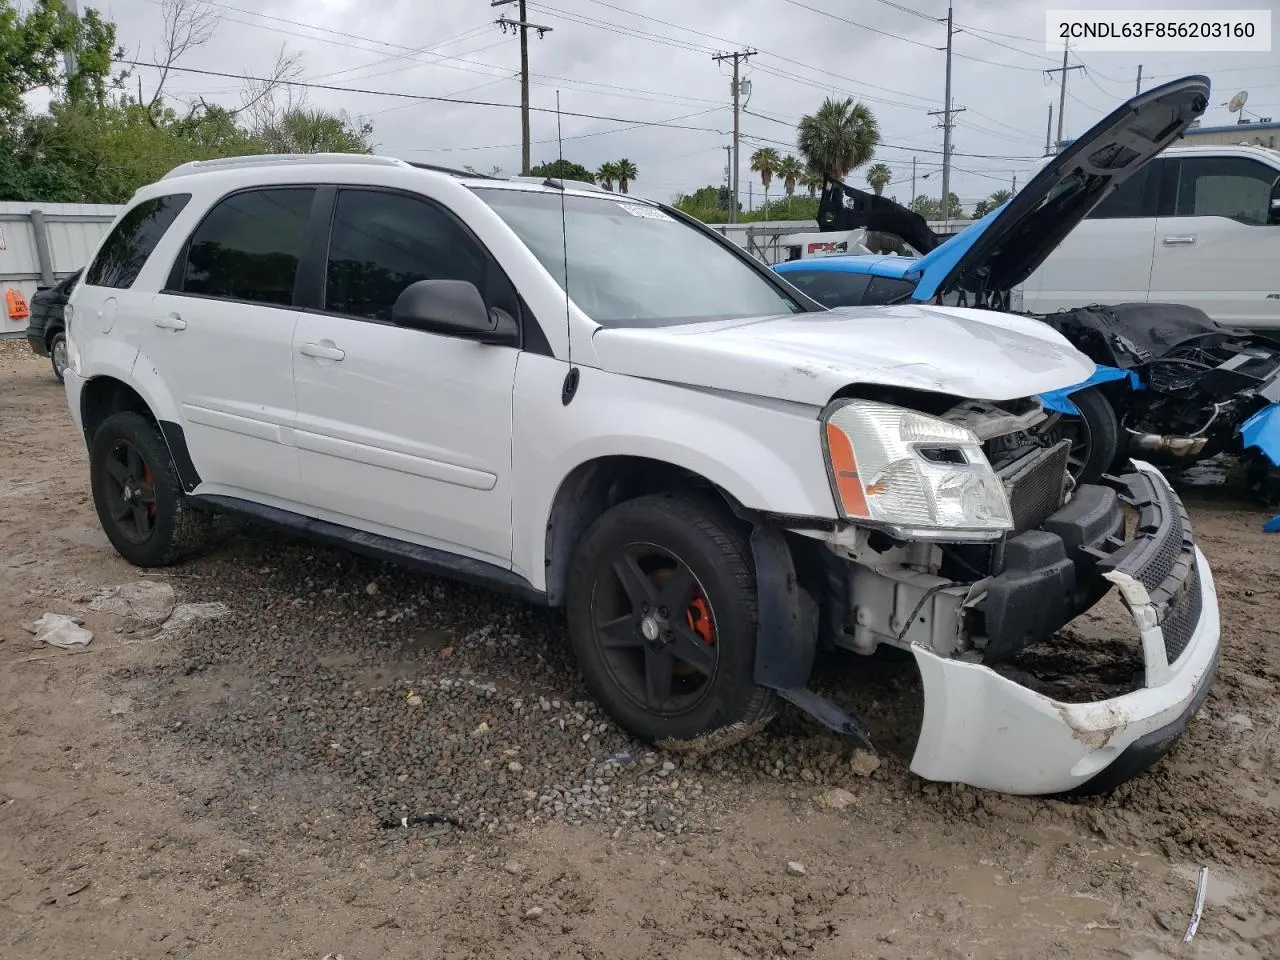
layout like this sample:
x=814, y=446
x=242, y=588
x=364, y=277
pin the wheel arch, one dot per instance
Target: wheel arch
x=595, y=486
x=106, y=394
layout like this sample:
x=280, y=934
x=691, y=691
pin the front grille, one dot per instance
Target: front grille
x=1036, y=485
x=1181, y=617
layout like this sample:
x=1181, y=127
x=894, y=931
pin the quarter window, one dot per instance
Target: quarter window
x=131, y=241
x=1231, y=187
x=249, y=246
x=383, y=242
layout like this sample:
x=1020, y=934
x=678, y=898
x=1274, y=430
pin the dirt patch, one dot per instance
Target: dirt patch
x=220, y=790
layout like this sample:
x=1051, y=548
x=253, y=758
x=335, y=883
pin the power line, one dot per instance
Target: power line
x=578, y=136
x=415, y=96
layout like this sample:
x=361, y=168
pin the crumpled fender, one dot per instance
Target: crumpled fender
x=1059, y=401
x=1262, y=431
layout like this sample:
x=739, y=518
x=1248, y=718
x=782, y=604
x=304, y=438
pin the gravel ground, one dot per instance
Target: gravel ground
x=356, y=760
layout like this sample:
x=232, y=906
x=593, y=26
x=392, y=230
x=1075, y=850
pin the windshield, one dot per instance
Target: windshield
x=632, y=265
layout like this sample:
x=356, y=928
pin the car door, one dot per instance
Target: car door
x=1107, y=258
x=401, y=431
x=1219, y=246
x=222, y=332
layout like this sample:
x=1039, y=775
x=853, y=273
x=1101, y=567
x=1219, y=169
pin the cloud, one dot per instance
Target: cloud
x=655, y=65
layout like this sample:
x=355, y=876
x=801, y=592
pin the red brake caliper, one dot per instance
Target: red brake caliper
x=147, y=479
x=698, y=616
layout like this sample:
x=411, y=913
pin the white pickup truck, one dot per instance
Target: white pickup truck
x=1199, y=225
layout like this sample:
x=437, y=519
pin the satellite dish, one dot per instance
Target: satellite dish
x=1238, y=101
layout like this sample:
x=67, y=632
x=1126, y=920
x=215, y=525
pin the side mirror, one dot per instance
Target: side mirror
x=454, y=308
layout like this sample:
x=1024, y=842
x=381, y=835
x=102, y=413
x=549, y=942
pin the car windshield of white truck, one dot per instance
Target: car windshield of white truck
x=633, y=265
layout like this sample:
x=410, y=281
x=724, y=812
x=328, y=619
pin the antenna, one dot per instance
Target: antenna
x=571, y=378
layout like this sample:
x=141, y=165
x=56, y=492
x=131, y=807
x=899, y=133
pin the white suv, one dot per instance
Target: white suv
x=713, y=473
x=1198, y=225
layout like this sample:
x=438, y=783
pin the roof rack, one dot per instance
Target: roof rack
x=272, y=159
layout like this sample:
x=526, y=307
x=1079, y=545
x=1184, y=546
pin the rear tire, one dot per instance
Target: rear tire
x=58, y=354
x=139, y=498
x=662, y=619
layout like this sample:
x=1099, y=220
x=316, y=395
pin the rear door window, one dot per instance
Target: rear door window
x=132, y=240
x=249, y=246
x=1136, y=197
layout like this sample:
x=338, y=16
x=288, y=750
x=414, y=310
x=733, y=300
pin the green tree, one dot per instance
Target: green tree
x=981, y=208
x=304, y=130
x=954, y=210
x=927, y=207
x=31, y=53
x=839, y=136
x=564, y=170
x=626, y=171
x=708, y=204
x=811, y=181
x=879, y=176
x=791, y=171
x=607, y=175
x=765, y=162
x=1000, y=196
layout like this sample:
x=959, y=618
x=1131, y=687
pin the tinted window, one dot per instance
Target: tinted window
x=1231, y=187
x=132, y=239
x=249, y=245
x=634, y=265
x=884, y=290
x=1132, y=199
x=383, y=242
x=831, y=288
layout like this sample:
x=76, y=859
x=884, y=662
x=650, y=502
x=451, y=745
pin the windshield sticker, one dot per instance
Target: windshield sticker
x=640, y=210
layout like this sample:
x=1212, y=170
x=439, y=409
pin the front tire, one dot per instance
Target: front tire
x=138, y=495
x=1094, y=436
x=58, y=354
x=662, y=619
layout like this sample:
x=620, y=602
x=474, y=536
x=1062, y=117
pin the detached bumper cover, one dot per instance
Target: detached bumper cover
x=985, y=730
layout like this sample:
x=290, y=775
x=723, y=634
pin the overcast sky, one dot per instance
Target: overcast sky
x=654, y=65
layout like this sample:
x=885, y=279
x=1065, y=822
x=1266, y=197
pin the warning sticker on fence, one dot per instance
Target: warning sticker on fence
x=641, y=210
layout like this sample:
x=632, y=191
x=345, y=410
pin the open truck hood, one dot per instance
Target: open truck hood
x=1005, y=247
x=806, y=358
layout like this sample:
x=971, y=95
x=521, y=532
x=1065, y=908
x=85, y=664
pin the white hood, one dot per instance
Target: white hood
x=806, y=358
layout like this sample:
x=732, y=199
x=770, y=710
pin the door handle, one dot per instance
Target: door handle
x=1185, y=241
x=171, y=322
x=323, y=351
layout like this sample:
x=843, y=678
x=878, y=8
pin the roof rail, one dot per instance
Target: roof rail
x=562, y=183
x=452, y=171
x=272, y=159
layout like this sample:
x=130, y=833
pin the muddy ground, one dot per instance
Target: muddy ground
x=219, y=786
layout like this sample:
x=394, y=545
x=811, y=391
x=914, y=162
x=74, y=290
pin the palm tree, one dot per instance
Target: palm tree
x=791, y=171
x=840, y=136
x=765, y=162
x=607, y=174
x=811, y=180
x=879, y=176
x=999, y=197
x=626, y=172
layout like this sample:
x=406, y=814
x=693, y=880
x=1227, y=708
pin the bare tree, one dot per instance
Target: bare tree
x=188, y=25
x=264, y=101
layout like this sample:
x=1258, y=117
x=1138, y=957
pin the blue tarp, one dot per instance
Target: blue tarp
x=1262, y=430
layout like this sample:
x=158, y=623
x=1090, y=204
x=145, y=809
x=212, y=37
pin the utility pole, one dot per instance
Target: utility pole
x=911, y=202
x=947, y=124
x=736, y=57
x=1014, y=187
x=728, y=178
x=1048, y=131
x=1138, y=88
x=69, y=54
x=1062, y=94
x=522, y=26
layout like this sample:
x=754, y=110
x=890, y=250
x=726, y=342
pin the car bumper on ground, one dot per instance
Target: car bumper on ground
x=983, y=729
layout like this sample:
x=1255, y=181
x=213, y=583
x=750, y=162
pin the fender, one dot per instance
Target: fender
x=1059, y=401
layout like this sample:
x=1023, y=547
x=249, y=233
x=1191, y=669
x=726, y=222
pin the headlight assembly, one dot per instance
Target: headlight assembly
x=914, y=475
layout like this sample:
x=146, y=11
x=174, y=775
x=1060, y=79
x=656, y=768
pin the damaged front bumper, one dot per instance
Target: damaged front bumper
x=986, y=730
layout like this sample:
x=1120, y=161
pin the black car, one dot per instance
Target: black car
x=47, y=327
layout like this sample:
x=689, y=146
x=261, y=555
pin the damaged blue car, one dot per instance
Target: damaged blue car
x=1171, y=387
